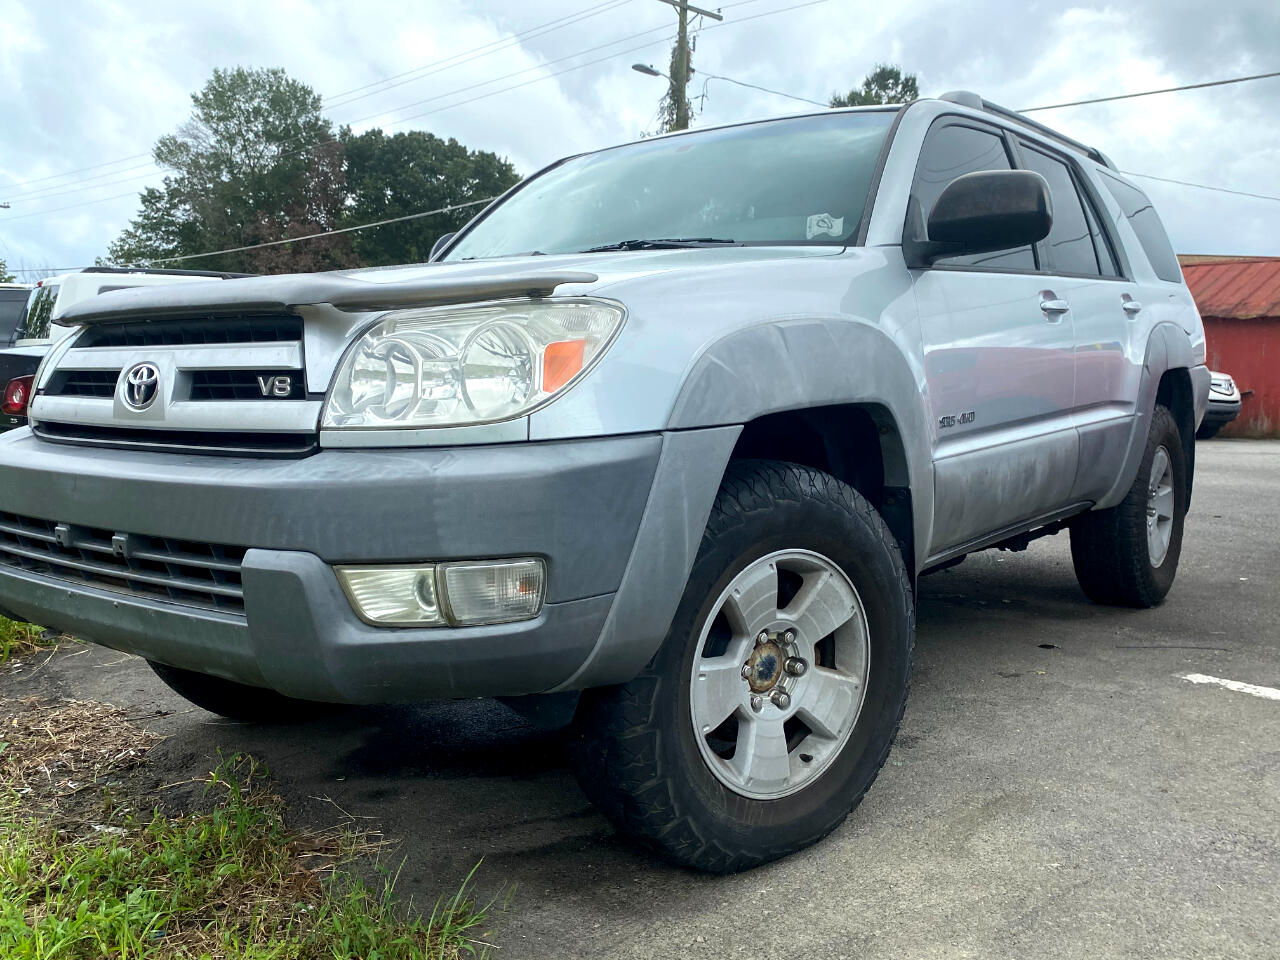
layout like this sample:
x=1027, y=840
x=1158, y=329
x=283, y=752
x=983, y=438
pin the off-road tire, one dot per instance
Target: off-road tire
x=634, y=749
x=1109, y=547
x=237, y=701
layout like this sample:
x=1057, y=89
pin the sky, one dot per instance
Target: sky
x=94, y=84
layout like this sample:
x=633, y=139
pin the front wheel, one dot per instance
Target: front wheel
x=772, y=704
x=1128, y=555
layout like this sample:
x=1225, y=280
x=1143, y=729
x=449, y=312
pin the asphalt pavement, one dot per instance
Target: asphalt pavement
x=1057, y=790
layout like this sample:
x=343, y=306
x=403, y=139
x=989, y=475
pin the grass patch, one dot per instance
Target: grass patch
x=231, y=880
x=19, y=639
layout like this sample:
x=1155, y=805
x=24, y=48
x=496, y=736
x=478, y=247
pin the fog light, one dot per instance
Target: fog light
x=393, y=595
x=496, y=591
x=451, y=594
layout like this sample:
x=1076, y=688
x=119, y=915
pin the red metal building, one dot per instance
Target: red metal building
x=1239, y=299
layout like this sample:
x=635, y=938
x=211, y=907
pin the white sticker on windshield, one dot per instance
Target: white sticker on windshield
x=824, y=225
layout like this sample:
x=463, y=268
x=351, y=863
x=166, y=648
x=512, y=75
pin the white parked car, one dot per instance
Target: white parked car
x=1223, y=406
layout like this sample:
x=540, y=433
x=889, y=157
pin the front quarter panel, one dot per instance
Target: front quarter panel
x=724, y=345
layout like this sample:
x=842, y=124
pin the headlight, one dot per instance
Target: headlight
x=51, y=358
x=1223, y=385
x=446, y=367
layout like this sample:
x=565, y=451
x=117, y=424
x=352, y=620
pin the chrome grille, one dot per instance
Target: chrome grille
x=82, y=383
x=182, y=571
x=237, y=328
x=229, y=384
x=245, y=385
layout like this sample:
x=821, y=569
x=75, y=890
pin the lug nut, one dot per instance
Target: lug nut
x=781, y=699
x=762, y=637
x=746, y=671
x=789, y=636
x=757, y=703
x=795, y=666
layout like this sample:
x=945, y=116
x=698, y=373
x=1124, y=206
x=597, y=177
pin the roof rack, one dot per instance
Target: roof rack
x=171, y=272
x=967, y=98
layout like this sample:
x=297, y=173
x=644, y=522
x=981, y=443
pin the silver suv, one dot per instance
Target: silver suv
x=660, y=442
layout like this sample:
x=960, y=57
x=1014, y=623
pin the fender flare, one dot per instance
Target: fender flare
x=799, y=363
x=1168, y=348
x=772, y=367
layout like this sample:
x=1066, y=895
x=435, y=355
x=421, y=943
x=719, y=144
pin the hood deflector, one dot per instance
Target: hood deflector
x=274, y=294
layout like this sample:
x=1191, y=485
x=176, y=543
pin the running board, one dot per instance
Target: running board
x=1016, y=537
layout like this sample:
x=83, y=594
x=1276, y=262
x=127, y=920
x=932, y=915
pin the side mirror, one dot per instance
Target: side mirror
x=985, y=211
x=440, y=245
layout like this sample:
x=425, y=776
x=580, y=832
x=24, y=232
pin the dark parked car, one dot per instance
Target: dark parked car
x=13, y=301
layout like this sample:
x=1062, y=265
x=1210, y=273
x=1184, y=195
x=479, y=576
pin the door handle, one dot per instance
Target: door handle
x=1130, y=306
x=1054, y=307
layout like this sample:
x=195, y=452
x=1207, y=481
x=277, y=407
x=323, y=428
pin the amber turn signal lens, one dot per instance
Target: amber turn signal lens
x=561, y=362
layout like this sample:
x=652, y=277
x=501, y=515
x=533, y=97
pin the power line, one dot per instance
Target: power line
x=468, y=56
x=1200, y=186
x=550, y=76
x=96, y=166
x=1152, y=93
x=59, y=190
x=451, y=93
x=776, y=93
x=472, y=203
x=529, y=33
x=324, y=233
x=416, y=116
x=83, y=203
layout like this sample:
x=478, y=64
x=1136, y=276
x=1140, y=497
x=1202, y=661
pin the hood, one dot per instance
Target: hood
x=385, y=288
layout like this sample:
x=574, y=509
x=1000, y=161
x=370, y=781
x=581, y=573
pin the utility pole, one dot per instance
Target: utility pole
x=677, y=94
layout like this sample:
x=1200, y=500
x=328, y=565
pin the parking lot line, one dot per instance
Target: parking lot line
x=1267, y=693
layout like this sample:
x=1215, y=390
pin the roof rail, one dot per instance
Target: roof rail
x=967, y=98
x=171, y=272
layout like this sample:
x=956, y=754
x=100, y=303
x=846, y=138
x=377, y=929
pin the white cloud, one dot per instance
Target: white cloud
x=100, y=81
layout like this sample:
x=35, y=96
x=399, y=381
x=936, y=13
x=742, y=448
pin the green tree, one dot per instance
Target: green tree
x=390, y=176
x=256, y=162
x=5, y=275
x=885, y=84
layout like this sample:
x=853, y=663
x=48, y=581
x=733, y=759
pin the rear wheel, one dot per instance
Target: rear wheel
x=237, y=701
x=772, y=704
x=1128, y=555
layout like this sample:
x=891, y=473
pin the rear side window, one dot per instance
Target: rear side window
x=1146, y=224
x=1070, y=242
x=1101, y=245
x=11, y=307
x=950, y=151
x=38, y=314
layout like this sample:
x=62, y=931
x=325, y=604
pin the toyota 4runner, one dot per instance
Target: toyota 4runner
x=660, y=441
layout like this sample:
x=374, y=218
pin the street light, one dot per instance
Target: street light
x=647, y=70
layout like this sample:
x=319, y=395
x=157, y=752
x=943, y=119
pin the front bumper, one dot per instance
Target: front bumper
x=1221, y=411
x=577, y=504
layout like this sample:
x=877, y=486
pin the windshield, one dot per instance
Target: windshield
x=801, y=180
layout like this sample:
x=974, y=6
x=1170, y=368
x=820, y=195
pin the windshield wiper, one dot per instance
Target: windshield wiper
x=662, y=243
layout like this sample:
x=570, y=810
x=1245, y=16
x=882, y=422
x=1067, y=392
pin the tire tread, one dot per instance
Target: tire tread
x=619, y=761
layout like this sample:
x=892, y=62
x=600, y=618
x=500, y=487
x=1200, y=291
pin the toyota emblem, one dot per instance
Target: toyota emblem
x=141, y=384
